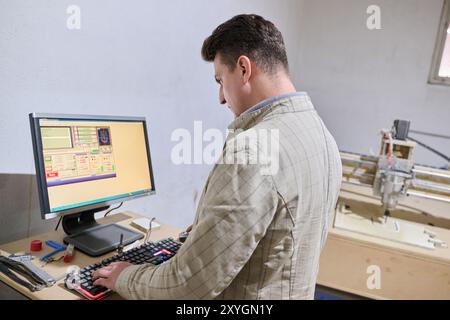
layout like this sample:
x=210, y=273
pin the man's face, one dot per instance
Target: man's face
x=231, y=86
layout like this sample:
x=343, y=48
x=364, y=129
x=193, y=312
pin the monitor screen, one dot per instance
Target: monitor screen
x=84, y=162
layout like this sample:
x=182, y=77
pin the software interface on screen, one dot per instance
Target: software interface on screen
x=91, y=161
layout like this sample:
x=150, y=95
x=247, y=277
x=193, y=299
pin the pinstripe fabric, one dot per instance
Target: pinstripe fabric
x=255, y=236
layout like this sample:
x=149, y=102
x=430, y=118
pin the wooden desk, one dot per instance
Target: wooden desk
x=407, y=272
x=58, y=291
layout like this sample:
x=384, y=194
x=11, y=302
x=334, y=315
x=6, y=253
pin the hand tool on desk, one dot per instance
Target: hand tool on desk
x=51, y=259
x=7, y=272
x=7, y=266
x=26, y=260
x=58, y=248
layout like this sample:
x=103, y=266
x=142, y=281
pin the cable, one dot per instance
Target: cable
x=57, y=225
x=107, y=212
x=149, y=231
x=60, y=218
x=430, y=149
x=430, y=134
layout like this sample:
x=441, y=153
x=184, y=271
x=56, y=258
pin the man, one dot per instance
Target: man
x=257, y=234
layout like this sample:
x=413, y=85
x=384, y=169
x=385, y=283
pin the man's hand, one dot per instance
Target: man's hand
x=108, y=275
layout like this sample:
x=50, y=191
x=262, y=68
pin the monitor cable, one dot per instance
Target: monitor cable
x=149, y=231
x=107, y=212
x=59, y=221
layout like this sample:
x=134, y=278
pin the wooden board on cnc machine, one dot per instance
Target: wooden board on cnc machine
x=407, y=271
x=377, y=226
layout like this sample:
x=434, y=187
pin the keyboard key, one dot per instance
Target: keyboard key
x=143, y=254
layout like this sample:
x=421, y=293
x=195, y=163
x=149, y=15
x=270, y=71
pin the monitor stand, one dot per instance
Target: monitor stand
x=77, y=222
x=95, y=239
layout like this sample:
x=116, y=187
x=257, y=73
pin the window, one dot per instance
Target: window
x=440, y=68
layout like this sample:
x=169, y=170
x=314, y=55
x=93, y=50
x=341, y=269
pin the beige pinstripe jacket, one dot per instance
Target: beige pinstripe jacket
x=255, y=235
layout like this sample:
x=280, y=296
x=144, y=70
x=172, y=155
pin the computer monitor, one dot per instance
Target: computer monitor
x=86, y=163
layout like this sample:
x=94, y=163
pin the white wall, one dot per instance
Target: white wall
x=361, y=80
x=136, y=58
x=143, y=58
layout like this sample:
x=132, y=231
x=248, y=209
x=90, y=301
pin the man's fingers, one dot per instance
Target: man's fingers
x=107, y=276
x=101, y=282
x=101, y=273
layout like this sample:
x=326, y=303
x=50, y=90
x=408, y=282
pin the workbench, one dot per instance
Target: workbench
x=56, y=269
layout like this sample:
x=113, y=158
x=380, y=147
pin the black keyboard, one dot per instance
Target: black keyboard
x=150, y=252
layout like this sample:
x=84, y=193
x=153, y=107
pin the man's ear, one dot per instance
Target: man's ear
x=245, y=68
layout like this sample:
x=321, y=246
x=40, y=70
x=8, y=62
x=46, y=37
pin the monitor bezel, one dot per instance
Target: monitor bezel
x=40, y=168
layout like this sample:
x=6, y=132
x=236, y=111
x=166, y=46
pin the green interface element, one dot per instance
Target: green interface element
x=56, y=137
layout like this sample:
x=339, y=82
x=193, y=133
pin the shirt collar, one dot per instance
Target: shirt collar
x=271, y=100
x=292, y=102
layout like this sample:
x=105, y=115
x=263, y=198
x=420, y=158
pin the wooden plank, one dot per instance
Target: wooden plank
x=345, y=261
x=376, y=225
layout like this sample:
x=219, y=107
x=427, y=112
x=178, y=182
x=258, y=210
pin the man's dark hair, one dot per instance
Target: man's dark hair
x=250, y=35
